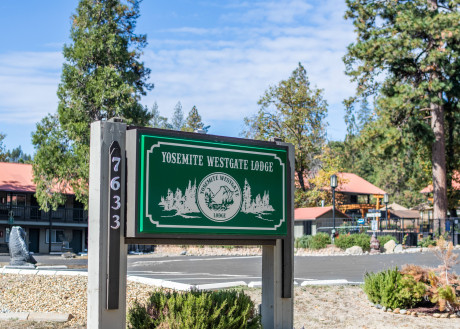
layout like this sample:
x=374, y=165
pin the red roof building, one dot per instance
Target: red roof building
x=46, y=231
x=309, y=221
x=455, y=183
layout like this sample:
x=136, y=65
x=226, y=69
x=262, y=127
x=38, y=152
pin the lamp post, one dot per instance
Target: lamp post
x=333, y=186
x=385, y=201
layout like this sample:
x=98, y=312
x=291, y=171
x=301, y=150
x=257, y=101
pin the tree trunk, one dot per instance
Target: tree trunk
x=301, y=179
x=438, y=155
x=438, y=159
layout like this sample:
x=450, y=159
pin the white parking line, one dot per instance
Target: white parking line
x=150, y=262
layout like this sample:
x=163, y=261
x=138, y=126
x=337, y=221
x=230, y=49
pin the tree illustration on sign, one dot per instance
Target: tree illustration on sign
x=182, y=203
x=259, y=205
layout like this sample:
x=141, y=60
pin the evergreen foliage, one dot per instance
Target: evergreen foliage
x=320, y=241
x=157, y=120
x=102, y=78
x=177, y=121
x=193, y=121
x=295, y=112
x=391, y=289
x=362, y=240
x=195, y=309
x=385, y=238
x=303, y=241
x=414, y=45
x=3, y=156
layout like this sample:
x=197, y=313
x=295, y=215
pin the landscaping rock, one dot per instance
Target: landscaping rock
x=453, y=316
x=68, y=255
x=378, y=306
x=444, y=315
x=402, y=311
x=389, y=310
x=355, y=250
x=384, y=309
x=398, y=249
x=436, y=315
x=389, y=247
x=396, y=310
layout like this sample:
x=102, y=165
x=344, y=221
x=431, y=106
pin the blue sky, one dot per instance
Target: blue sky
x=218, y=55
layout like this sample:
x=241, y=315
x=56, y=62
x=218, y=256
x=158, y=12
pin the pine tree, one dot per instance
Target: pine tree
x=295, y=112
x=101, y=78
x=157, y=120
x=246, y=204
x=193, y=121
x=177, y=120
x=414, y=45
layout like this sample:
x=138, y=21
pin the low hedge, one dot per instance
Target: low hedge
x=346, y=241
x=195, y=309
x=318, y=241
x=385, y=238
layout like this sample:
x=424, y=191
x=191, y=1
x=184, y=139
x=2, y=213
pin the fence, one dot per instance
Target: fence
x=33, y=213
x=409, y=230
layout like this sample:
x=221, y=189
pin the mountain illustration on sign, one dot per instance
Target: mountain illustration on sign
x=184, y=203
x=220, y=200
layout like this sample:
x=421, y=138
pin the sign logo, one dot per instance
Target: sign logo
x=219, y=197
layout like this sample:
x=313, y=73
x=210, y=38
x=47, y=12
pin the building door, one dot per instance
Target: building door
x=34, y=240
x=75, y=244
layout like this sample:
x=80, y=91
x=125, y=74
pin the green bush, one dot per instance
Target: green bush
x=426, y=242
x=320, y=241
x=346, y=241
x=303, y=241
x=392, y=289
x=195, y=309
x=385, y=238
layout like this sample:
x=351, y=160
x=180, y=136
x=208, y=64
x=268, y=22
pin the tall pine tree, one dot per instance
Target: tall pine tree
x=414, y=46
x=295, y=112
x=102, y=77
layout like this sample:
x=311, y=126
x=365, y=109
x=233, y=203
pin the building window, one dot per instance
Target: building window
x=17, y=200
x=7, y=235
x=57, y=236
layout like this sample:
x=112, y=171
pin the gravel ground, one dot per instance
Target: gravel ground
x=315, y=307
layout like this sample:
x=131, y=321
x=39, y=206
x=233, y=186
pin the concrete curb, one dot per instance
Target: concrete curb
x=160, y=283
x=324, y=282
x=36, y=316
x=223, y=285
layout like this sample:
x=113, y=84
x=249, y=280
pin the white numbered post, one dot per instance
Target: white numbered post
x=107, y=252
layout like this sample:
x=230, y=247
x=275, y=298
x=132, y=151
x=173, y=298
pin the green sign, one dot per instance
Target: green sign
x=199, y=186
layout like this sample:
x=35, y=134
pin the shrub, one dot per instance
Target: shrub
x=392, y=289
x=319, y=241
x=426, y=242
x=385, y=238
x=346, y=241
x=195, y=309
x=303, y=241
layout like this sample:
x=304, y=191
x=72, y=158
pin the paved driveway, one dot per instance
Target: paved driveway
x=217, y=269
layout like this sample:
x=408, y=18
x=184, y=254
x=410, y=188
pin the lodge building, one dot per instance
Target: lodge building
x=60, y=230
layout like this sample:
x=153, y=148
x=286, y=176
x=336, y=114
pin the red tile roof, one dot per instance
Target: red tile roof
x=357, y=185
x=455, y=183
x=314, y=212
x=351, y=184
x=16, y=177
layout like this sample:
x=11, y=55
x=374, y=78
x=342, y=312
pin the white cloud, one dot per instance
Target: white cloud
x=28, y=84
x=222, y=69
x=226, y=76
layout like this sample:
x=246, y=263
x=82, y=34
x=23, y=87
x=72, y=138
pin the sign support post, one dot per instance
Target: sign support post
x=277, y=308
x=107, y=294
